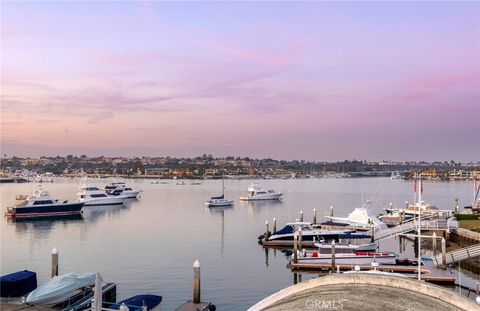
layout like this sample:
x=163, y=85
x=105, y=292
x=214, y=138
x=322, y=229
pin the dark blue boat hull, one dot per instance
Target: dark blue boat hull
x=136, y=302
x=52, y=211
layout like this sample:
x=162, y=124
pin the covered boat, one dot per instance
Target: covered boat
x=17, y=284
x=60, y=288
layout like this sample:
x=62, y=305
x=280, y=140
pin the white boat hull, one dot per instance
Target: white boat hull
x=219, y=203
x=105, y=201
x=360, y=260
x=275, y=196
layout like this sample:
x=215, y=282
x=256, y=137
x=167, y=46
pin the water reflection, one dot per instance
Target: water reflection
x=262, y=204
x=220, y=210
x=42, y=227
x=93, y=213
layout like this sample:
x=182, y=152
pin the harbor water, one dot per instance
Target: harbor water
x=149, y=245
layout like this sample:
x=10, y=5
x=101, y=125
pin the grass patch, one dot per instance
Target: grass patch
x=473, y=225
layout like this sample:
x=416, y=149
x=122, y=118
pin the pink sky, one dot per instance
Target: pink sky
x=313, y=81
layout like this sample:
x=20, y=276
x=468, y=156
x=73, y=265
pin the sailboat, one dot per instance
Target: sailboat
x=220, y=200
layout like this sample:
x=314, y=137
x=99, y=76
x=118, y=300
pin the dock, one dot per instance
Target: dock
x=458, y=255
x=191, y=306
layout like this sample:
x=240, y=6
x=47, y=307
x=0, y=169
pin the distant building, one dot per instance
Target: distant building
x=157, y=171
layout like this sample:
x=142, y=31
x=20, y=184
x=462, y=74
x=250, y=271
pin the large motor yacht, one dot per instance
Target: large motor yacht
x=93, y=196
x=41, y=204
x=119, y=188
x=255, y=192
x=360, y=217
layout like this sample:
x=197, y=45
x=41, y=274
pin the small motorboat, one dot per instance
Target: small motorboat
x=119, y=188
x=60, y=288
x=355, y=258
x=41, y=205
x=309, y=233
x=326, y=248
x=139, y=303
x=256, y=193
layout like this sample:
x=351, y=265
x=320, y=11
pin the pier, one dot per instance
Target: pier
x=458, y=255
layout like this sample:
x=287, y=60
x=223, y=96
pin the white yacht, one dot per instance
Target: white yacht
x=360, y=217
x=255, y=192
x=93, y=196
x=119, y=188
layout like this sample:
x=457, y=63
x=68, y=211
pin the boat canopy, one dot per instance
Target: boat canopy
x=288, y=229
x=220, y=197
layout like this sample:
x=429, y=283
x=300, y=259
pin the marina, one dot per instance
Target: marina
x=231, y=258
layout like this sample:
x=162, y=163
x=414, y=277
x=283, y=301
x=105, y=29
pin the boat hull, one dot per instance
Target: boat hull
x=106, y=201
x=262, y=197
x=51, y=211
x=348, y=260
x=219, y=203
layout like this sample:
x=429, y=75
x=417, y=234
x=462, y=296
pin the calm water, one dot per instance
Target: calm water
x=149, y=245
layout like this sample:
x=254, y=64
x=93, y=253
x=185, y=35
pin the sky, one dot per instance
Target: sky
x=319, y=81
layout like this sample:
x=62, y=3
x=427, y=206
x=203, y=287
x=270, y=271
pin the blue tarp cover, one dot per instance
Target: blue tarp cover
x=18, y=283
x=285, y=230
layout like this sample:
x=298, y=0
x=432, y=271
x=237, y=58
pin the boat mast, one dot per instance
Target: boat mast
x=223, y=185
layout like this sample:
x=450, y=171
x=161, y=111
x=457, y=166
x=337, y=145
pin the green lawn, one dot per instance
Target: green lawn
x=473, y=225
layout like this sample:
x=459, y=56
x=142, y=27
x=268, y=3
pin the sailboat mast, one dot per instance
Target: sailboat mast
x=223, y=185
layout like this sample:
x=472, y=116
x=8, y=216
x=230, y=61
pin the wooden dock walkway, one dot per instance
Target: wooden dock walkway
x=458, y=255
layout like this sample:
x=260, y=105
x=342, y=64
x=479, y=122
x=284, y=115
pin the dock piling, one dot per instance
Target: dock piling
x=54, y=262
x=295, y=247
x=301, y=216
x=434, y=242
x=331, y=211
x=372, y=233
x=333, y=256
x=300, y=239
x=274, y=225
x=196, y=282
x=314, y=218
x=267, y=232
x=444, y=253
x=455, y=208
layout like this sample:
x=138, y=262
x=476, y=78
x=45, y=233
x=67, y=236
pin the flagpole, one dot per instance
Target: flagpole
x=419, y=225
